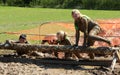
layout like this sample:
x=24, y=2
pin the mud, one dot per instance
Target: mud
x=17, y=65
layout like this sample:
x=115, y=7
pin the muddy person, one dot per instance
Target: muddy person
x=62, y=39
x=90, y=29
x=22, y=40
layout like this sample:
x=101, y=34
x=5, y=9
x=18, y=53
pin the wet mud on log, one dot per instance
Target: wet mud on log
x=61, y=48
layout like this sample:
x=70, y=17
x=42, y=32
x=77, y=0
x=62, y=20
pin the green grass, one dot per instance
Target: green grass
x=17, y=18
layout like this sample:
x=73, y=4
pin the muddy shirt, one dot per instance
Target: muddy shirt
x=85, y=24
x=66, y=41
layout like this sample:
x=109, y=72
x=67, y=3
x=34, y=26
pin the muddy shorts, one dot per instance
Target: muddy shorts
x=95, y=31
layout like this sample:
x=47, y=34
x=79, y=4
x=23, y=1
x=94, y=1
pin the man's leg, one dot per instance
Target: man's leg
x=91, y=43
x=93, y=35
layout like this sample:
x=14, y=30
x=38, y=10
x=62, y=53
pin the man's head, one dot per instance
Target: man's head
x=76, y=14
x=22, y=38
x=61, y=35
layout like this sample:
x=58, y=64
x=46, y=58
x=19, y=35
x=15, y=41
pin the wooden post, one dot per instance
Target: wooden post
x=118, y=55
x=113, y=61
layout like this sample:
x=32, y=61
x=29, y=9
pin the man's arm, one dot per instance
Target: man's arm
x=68, y=42
x=85, y=32
x=77, y=35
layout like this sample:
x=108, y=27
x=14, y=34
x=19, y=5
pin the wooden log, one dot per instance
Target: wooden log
x=25, y=48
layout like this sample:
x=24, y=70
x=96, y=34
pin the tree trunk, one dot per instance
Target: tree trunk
x=26, y=48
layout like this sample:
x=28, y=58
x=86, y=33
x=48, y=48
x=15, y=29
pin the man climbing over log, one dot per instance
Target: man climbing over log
x=90, y=29
x=62, y=39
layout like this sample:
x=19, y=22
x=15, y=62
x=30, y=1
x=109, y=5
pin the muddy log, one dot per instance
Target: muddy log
x=24, y=48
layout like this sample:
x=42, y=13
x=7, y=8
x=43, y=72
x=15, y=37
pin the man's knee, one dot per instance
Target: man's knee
x=90, y=36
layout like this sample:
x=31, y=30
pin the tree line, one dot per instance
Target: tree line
x=82, y=4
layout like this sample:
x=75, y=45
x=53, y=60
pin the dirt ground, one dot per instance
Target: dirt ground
x=25, y=66
x=29, y=66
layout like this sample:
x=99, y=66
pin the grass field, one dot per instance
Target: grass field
x=17, y=18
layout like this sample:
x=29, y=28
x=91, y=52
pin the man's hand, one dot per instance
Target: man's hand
x=8, y=43
x=75, y=45
x=85, y=45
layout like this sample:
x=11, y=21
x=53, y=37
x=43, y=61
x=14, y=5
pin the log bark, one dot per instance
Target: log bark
x=26, y=48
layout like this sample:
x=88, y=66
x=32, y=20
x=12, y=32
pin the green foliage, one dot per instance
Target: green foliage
x=20, y=3
x=108, y=4
x=89, y=4
x=15, y=2
x=83, y=4
x=72, y=3
x=35, y=3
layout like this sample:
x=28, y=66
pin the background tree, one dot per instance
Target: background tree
x=82, y=4
x=4, y=2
